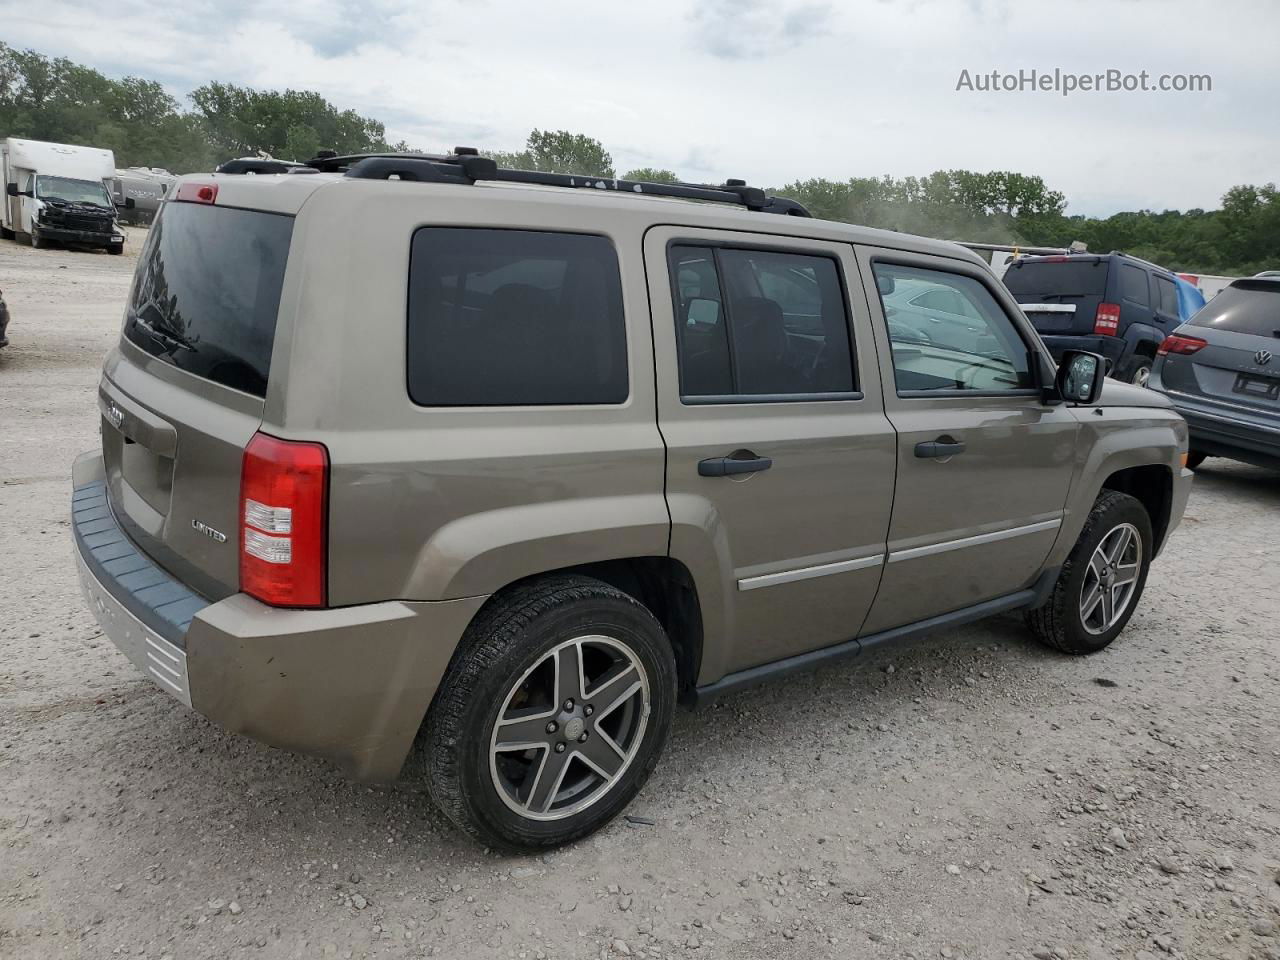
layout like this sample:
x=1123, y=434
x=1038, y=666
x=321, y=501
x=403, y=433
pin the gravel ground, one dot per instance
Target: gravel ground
x=975, y=796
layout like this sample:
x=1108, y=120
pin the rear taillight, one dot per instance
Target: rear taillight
x=1175, y=343
x=284, y=487
x=1107, y=320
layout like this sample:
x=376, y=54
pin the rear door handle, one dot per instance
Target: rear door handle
x=729, y=466
x=937, y=449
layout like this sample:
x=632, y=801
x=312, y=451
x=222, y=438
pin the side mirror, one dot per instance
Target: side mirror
x=1080, y=377
x=12, y=190
x=885, y=284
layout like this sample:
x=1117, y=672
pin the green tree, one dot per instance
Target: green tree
x=558, y=151
x=651, y=175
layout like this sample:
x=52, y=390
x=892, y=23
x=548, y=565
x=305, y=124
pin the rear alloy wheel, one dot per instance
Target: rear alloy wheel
x=1101, y=580
x=566, y=734
x=554, y=711
x=1141, y=374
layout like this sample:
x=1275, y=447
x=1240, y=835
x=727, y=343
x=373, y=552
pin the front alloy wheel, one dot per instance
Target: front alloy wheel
x=1101, y=580
x=1110, y=579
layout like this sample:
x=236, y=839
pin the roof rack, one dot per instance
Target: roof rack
x=466, y=166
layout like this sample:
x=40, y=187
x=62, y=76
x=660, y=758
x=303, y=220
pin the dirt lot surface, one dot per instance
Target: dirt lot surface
x=973, y=797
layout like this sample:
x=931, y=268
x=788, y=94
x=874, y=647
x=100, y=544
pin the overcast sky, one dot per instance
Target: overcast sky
x=767, y=90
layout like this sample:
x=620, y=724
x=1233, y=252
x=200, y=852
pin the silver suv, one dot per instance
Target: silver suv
x=509, y=464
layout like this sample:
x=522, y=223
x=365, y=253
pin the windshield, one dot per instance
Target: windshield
x=72, y=191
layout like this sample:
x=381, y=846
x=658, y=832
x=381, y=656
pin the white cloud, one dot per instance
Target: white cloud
x=768, y=90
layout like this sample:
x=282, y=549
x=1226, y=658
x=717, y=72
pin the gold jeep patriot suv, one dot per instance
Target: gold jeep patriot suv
x=409, y=449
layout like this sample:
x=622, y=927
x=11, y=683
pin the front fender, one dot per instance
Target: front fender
x=481, y=553
x=1110, y=441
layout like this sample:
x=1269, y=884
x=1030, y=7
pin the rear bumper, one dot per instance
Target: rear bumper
x=351, y=684
x=1231, y=432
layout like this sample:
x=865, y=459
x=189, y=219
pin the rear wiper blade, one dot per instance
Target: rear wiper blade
x=167, y=333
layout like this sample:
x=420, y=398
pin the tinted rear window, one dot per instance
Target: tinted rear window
x=517, y=317
x=1059, y=280
x=207, y=291
x=1244, y=307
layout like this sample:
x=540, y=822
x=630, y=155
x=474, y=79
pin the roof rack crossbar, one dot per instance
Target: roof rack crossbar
x=466, y=166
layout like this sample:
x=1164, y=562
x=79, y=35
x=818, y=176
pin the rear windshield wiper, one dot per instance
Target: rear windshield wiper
x=164, y=332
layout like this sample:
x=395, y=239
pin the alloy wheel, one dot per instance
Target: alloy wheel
x=569, y=728
x=1111, y=579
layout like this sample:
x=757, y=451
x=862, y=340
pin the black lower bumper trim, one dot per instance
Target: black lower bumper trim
x=158, y=600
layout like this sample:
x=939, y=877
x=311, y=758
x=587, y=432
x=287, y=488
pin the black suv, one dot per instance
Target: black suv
x=1112, y=304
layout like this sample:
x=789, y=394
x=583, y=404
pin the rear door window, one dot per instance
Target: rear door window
x=207, y=292
x=760, y=323
x=514, y=317
x=1247, y=306
x=1133, y=285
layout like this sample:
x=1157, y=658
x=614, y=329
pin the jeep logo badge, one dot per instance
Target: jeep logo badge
x=208, y=531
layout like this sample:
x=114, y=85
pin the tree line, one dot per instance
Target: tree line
x=56, y=99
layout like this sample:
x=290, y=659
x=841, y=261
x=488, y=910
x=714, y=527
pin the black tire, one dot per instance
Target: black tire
x=1059, y=623
x=6, y=233
x=1195, y=458
x=508, y=638
x=1141, y=372
x=115, y=249
x=37, y=243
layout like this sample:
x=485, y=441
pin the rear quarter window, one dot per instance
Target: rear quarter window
x=1133, y=285
x=207, y=291
x=514, y=317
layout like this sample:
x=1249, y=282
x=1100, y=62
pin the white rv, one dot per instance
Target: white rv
x=58, y=192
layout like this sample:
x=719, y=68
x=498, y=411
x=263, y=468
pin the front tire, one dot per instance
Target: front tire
x=38, y=243
x=115, y=249
x=1195, y=458
x=1102, y=580
x=554, y=711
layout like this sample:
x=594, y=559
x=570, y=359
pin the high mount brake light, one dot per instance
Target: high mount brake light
x=284, y=486
x=1107, y=320
x=197, y=192
x=1176, y=343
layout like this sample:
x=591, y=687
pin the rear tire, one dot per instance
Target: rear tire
x=37, y=243
x=511, y=713
x=1141, y=373
x=1195, y=458
x=1067, y=621
x=115, y=249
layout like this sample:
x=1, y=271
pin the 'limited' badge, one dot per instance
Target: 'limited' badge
x=208, y=531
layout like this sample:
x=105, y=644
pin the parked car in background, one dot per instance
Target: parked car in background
x=4, y=321
x=590, y=452
x=59, y=192
x=1113, y=304
x=1222, y=372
